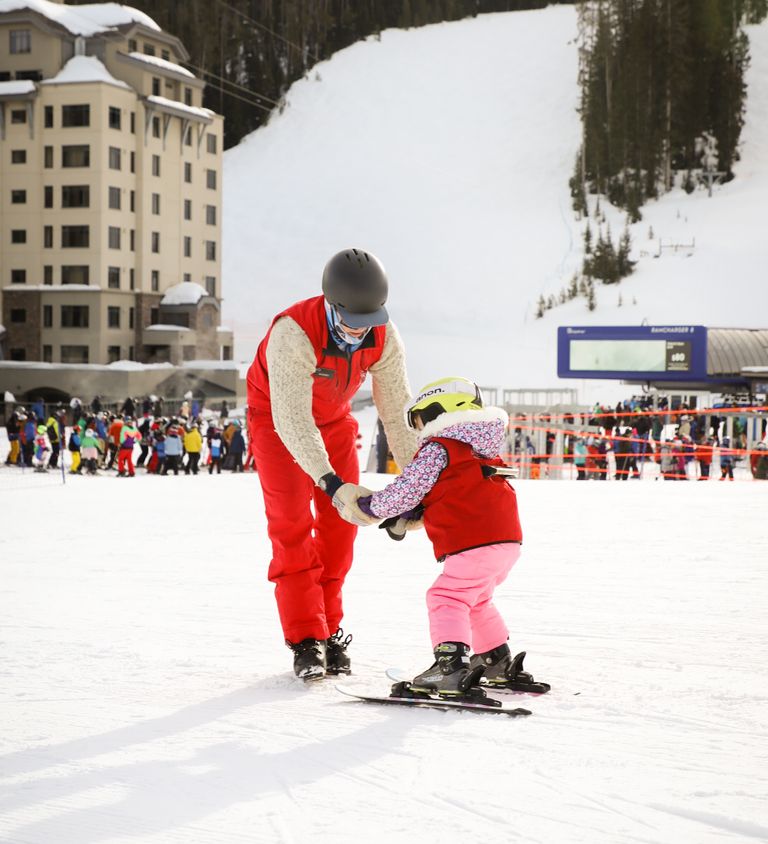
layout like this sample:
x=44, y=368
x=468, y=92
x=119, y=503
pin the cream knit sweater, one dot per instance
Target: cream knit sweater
x=291, y=363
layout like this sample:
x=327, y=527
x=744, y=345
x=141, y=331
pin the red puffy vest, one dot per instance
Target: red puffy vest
x=464, y=509
x=338, y=374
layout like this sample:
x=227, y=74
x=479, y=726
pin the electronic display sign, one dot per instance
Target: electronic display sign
x=633, y=353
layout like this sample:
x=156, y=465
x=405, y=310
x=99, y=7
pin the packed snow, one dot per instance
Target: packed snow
x=446, y=151
x=146, y=693
x=84, y=69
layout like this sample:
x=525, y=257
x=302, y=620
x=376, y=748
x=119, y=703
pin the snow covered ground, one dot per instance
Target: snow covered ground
x=446, y=151
x=146, y=695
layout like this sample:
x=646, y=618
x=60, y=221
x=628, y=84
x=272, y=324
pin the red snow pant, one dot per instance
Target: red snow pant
x=311, y=543
x=125, y=460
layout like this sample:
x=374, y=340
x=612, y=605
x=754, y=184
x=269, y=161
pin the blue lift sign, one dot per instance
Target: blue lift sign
x=633, y=352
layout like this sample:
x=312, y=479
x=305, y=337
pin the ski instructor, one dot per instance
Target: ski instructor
x=307, y=368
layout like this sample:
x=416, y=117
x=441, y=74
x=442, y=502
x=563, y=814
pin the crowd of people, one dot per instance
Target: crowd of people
x=102, y=441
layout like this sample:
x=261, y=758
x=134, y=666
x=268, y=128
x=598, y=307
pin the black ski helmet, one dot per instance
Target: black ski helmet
x=355, y=283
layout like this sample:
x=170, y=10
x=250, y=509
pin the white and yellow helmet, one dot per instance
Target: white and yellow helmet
x=448, y=395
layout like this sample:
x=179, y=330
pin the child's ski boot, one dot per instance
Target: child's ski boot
x=503, y=671
x=450, y=675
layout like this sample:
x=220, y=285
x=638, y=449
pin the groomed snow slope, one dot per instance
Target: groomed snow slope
x=446, y=151
x=146, y=695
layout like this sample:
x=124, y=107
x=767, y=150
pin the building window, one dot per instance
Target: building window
x=155, y=127
x=149, y=49
x=133, y=122
x=5, y=76
x=155, y=165
x=210, y=285
x=155, y=282
x=76, y=115
x=18, y=354
x=75, y=237
x=188, y=137
x=132, y=45
x=187, y=209
x=19, y=116
x=74, y=156
x=75, y=196
x=113, y=278
x=18, y=315
x=32, y=75
x=75, y=274
x=47, y=237
x=132, y=280
x=155, y=87
x=210, y=250
x=187, y=96
x=47, y=354
x=18, y=276
x=21, y=41
x=114, y=117
x=210, y=215
x=165, y=54
x=155, y=241
x=48, y=157
x=74, y=354
x=132, y=240
x=226, y=352
x=74, y=316
x=131, y=317
x=187, y=277
x=114, y=158
x=133, y=162
x=113, y=317
x=47, y=316
x=113, y=354
x=19, y=156
x=48, y=196
x=18, y=235
x=113, y=237
x=210, y=179
x=187, y=247
x=187, y=172
x=114, y=198
x=211, y=141
x=48, y=117
x=18, y=197
x=155, y=203
x=154, y=316
x=133, y=200
x=47, y=274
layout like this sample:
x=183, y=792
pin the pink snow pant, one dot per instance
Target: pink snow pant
x=460, y=601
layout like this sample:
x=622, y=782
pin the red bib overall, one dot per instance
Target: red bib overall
x=311, y=551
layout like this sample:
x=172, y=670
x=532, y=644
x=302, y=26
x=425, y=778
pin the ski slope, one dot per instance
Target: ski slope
x=146, y=695
x=446, y=151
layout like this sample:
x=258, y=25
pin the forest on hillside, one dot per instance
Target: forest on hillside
x=250, y=51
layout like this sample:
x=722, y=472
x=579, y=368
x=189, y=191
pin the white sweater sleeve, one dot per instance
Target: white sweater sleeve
x=291, y=363
x=391, y=395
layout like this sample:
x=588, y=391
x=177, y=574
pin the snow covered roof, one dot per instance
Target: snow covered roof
x=18, y=86
x=162, y=63
x=185, y=293
x=192, y=111
x=90, y=19
x=84, y=69
x=163, y=327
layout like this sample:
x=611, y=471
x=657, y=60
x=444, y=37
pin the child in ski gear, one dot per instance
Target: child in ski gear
x=129, y=436
x=215, y=450
x=193, y=445
x=174, y=447
x=74, y=450
x=42, y=450
x=470, y=515
x=89, y=449
x=303, y=438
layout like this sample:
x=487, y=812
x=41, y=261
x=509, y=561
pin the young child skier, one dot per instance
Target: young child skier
x=42, y=452
x=470, y=515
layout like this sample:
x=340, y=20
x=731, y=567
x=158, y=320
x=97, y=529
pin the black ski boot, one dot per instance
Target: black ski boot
x=450, y=675
x=336, y=658
x=308, y=658
x=503, y=671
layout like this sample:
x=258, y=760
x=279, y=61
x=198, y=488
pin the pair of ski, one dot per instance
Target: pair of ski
x=474, y=700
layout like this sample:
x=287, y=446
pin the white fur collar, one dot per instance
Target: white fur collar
x=448, y=420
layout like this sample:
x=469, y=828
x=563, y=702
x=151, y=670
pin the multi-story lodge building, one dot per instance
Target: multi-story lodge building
x=110, y=190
